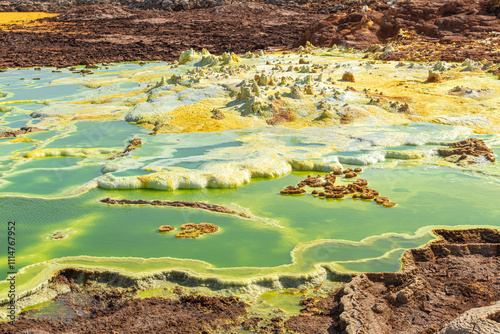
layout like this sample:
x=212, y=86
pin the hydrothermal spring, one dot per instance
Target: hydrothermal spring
x=389, y=121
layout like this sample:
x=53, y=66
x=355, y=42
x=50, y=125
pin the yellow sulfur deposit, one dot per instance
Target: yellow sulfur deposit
x=8, y=18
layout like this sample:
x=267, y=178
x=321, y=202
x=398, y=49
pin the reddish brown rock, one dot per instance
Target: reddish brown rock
x=193, y=231
x=132, y=146
x=208, y=227
x=346, y=119
x=389, y=204
x=437, y=283
x=291, y=190
x=314, y=181
x=348, y=76
x=361, y=182
x=136, y=142
x=281, y=116
x=350, y=175
x=188, y=226
x=165, y=228
x=416, y=30
x=469, y=147
x=433, y=77
x=367, y=195
x=21, y=131
x=195, y=205
x=217, y=114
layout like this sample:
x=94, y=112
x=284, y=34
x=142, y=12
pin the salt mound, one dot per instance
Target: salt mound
x=68, y=152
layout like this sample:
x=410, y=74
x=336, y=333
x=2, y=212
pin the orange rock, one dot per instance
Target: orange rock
x=291, y=190
x=350, y=175
x=367, y=195
x=381, y=199
x=166, y=228
x=207, y=227
x=348, y=76
x=433, y=77
x=188, y=226
x=361, y=182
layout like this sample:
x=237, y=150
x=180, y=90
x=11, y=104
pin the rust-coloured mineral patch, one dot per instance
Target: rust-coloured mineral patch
x=21, y=131
x=193, y=231
x=469, y=147
x=165, y=228
x=179, y=204
x=132, y=146
x=358, y=188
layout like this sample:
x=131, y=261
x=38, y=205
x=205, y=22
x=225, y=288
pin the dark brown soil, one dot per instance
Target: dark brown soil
x=116, y=312
x=95, y=34
x=437, y=284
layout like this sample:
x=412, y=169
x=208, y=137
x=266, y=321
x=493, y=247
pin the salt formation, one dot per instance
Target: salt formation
x=433, y=77
x=68, y=152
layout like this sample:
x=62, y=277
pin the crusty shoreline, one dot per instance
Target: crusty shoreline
x=442, y=286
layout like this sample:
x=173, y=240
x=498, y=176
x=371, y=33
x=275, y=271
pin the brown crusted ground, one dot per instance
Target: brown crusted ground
x=417, y=29
x=115, y=312
x=87, y=34
x=437, y=284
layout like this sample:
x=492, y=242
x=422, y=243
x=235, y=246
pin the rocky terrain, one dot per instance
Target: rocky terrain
x=449, y=286
x=414, y=30
x=95, y=31
x=104, y=33
x=168, y=5
x=436, y=285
